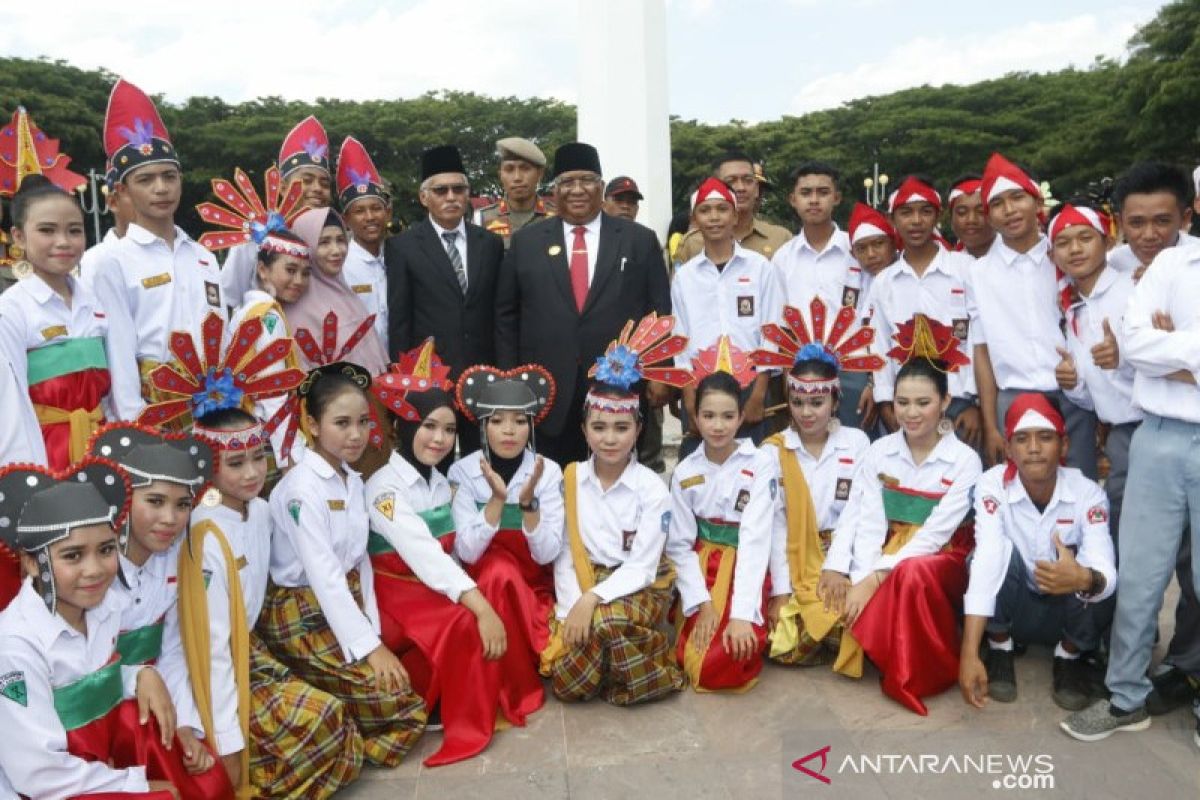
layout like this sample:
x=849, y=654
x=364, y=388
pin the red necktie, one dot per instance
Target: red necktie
x=579, y=268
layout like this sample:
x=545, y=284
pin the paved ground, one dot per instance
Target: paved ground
x=742, y=746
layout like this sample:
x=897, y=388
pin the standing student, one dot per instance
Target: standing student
x=612, y=585
x=1153, y=204
x=1015, y=299
x=896, y=570
x=320, y=617
x=157, y=279
x=817, y=459
x=67, y=706
x=120, y=206
x=367, y=210
x=428, y=605
x=969, y=217
x=720, y=534
x=52, y=331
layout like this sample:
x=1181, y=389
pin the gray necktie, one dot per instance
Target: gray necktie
x=456, y=259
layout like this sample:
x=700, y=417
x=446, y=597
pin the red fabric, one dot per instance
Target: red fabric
x=443, y=655
x=910, y=627
x=1035, y=401
x=579, y=268
x=914, y=190
x=79, y=390
x=10, y=575
x=718, y=670
x=119, y=739
x=522, y=593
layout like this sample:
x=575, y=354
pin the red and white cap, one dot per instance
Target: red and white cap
x=713, y=189
x=1030, y=411
x=134, y=134
x=356, y=174
x=866, y=222
x=914, y=190
x=1077, y=215
x=306, y=145
x=1001, y=175
x=964, y=188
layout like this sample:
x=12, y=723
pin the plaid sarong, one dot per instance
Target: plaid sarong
x=626, y=658
x=293, y=626
x=809, y=652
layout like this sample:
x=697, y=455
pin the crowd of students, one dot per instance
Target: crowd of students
x=245, y=552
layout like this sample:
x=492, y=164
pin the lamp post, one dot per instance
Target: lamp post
x=875, y=188
x=96, y=206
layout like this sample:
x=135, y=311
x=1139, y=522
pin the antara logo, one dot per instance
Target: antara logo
x=823, y=754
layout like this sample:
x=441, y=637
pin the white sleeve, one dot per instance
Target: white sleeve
x=1096, y=545
x=1154, y=352
x=780, y=571
x=34, y=757
x=21, y=442
x=172, y=665
x=867, y=527
x=885, y=376
x=681, y=541
x=409, y=536
x=227, y=728
x=973, y=275
x=546, y=540
x=993, y=549
x=566, y=584
x=641, y=567
x=679, y=311
x=121, y=342
x=754, y=545
x=366, y=576
x=473, y=534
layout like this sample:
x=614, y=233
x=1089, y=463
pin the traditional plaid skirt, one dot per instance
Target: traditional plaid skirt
x=294, y=628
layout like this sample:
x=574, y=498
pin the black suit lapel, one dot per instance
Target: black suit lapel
x=435, y=251
x=606, y=257
x=474, y=258
x=556, y=257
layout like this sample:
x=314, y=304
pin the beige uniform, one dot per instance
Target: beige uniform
x=764, y=238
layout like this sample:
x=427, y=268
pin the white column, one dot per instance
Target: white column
x=623, y=97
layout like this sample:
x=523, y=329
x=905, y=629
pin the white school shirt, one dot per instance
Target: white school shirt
x=319, y=529
x=951, y=469
x=1005, y=517
x=1108, y=392
x=739, y=491
x=591, y=238
x=830, y=480
x=21, y=440
x=832, y=273
x=624, y=526
x=395, y=494
x=460, y=242
x=275, y=327
x=238, y=273
x=149, y=291
x=1121, y=257
x=471, y=492
x=151, y=593
x=367, y=278
x=1014, y=308
x=94, y=255
x=250, y=542
x=45, y=652
x=897, y=293
x=735, y=301
x=32, y=315
x=1171, y=284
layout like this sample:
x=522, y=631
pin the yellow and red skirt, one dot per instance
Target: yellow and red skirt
x=67, y=381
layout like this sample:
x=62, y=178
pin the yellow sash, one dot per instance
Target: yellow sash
x=193, y=624
x=81, y=420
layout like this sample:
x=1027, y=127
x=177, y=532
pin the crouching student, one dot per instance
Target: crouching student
x=508, y=513
x=1043, y=561
x=320, y=617
x=896, y=569
x=429, y=608
x=816, y=461
x=720, y=536
x=76, y=722
x=612, y=585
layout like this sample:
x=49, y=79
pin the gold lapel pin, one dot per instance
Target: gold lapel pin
x=554, y=250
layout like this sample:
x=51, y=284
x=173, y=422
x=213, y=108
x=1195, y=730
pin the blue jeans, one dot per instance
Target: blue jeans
x=1162, y=497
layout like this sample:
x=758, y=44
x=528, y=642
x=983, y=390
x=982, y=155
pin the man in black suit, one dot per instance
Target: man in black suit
x=442, y=277
x=567, y=287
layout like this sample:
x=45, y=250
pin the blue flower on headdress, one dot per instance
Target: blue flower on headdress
x=316, y=151
x=259, y=231
x=359, y=178
x=618, y=367
x=142, y=133
x=218, y=393
x=816, y=352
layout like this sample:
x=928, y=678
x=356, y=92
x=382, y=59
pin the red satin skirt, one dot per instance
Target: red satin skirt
x=439, y=645
x=522, y=593
x=10, y=575
x=79, y=390
x=910, y=629
x=119, y=739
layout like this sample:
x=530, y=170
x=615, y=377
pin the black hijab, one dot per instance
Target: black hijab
x=425, y=403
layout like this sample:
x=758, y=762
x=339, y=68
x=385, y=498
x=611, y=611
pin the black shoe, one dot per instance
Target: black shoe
x=434, y=722
x=1002, y=678
x=1172, y=689
x=1072, y=689
x=1095, y=668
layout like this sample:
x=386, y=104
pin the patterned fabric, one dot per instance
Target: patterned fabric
x=627, y=657
x=809, y=652
x=289, y=718
x=295, y=629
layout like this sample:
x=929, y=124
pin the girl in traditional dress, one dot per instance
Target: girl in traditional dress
x=428, y=605
x=896, y=570
x=508, y=514
x=720, y=531
x=613, y=587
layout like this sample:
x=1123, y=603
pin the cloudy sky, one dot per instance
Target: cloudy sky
x=728, y=59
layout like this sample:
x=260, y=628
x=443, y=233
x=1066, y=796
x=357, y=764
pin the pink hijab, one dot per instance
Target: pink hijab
x=327, y=294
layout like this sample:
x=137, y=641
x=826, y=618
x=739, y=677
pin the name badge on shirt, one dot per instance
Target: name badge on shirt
x=850, y=296
x=627, y=540
x=959, y=328
x=842, y=489
x=156, y=280
x=361, y=288
x=242, y=563
x=54, y=331
x=745, y=305
x=688, y=483
x=743, y=498
x=337, y=505
x=212, y=293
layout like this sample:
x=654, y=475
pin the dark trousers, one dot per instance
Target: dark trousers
x=1034, y=618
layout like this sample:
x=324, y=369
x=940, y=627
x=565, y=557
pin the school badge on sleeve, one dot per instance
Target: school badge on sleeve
x=386, y=504
x=12, y=686
x=1096, y=515
x=294, y=510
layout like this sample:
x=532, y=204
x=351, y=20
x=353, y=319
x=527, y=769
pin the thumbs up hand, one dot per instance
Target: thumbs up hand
x=1064, y=575
x=1065, y=373
x=1105, y=355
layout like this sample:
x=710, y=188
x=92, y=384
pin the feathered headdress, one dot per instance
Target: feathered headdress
x=637, y=354
x=249, y=219
x=843, y=348
x=724, y=356
x=209, y=383
x=922, y=337
x=419, y=370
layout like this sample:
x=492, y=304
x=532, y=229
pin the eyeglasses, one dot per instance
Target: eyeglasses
x=567, y=184
x=456, y=188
